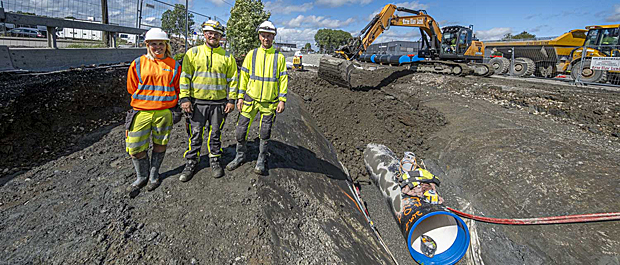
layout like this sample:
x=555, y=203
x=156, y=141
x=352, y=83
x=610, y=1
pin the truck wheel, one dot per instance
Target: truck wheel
x=519, y=68
x=614, y=78
x=587, y=74
x=500, y=65
x=527, y=66
x=546, y=71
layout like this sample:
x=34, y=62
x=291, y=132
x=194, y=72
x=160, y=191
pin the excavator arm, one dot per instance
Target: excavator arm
x=338, y=71
x=431, y=34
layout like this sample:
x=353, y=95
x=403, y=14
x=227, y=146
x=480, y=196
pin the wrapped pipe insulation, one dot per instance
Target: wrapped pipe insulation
x=433, y=234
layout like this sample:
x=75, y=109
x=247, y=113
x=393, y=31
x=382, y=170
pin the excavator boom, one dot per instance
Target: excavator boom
x=338, y=71
x=383, y=21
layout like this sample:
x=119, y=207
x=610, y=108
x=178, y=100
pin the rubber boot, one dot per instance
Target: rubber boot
x=260, y=168
x=154, y=181
x=216, y=167
x=188, y=171
x=142, y=166
x=239, y=158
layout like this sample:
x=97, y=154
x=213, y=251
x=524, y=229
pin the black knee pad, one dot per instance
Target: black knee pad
x=242, y=128
x=265, y=127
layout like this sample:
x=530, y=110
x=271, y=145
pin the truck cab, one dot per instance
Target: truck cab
x=604, y=38
x=601, y=41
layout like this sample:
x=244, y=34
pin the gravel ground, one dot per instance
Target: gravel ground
x=503, y=148
x=73, y=208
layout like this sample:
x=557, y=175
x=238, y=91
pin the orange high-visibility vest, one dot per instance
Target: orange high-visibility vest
x=153, y=84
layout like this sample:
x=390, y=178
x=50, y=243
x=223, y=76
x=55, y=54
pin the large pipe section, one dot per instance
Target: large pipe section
x=419, y=221
x=389, y=59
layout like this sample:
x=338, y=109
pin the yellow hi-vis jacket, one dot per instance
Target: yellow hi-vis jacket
x=208, y=74
x=263, y=76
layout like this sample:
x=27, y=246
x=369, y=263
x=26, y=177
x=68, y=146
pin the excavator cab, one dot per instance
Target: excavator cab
x=448, y=44
x=462, y=54
x=456, y=45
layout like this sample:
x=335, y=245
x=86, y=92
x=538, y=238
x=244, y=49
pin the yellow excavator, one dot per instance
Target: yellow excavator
x=455, y=50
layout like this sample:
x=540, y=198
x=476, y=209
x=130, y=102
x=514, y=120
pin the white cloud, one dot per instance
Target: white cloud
x=317, y=22
x=538, y=28
x=390, y=35
x=297, y=36
x=447, y=23
x=337, y=3
x=492, y=34
x=216, y=2
x=615, y=16
x=415, y=5
x=279, y=7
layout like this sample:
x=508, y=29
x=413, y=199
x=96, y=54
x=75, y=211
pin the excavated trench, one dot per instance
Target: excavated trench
x=502, y=148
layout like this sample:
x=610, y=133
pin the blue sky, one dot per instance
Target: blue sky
x=298, y=21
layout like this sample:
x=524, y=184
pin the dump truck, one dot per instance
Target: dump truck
x=455, y=50
x=543, y=58
x=561, y=55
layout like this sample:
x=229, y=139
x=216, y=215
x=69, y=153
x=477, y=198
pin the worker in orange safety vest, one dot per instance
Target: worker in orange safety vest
x=153, y=82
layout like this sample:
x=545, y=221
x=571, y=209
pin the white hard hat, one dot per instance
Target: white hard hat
x=213, y=25
x=156, y=34
x=267, y=26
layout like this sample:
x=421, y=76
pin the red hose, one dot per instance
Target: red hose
x=579, y=218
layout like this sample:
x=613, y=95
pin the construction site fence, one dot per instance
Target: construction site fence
x=137, y=14
x=599, y=66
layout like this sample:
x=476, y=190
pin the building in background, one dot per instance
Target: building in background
x=285, y=47
x=394, y=47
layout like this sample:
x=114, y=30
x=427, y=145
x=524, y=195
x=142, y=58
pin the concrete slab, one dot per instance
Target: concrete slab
x=5, y=59
x=33, y=59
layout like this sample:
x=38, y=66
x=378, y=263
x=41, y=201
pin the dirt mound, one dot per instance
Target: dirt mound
x=45, y=116
x=371, y=112
x=593, y=109
x=74, y=209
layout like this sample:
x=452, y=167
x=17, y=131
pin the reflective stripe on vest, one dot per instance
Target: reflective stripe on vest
x=209, y=74
x=274, y=75
x=156, y=88
x=176, y=71
x=154, y=98
x=142, y=87
x=138, y=69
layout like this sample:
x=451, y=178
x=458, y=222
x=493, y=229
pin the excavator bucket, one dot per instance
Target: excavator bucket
x=336, y=71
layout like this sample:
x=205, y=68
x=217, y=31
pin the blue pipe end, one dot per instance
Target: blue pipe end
x=404, y=59
x=415, y=58
x=452, y=240
x=372, y=58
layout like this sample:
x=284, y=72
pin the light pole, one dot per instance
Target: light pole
x=186, y=22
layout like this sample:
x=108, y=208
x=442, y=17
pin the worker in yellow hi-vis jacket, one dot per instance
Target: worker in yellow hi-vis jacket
x=263, y=87
x=208, y=93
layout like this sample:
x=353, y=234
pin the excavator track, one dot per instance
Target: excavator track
x=482, y=69
x=441, y=67
x=336, y=71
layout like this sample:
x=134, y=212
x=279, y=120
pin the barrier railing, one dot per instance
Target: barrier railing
x=84, y=23
x=600, y=64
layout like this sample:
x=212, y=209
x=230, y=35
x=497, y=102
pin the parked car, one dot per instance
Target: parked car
x=26, y=32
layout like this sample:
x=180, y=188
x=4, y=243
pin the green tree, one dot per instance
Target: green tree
x=307, y=47
x=521, y=36
x=329, y=40
x=27, y=13
x=173, y=21
x=245, y=16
